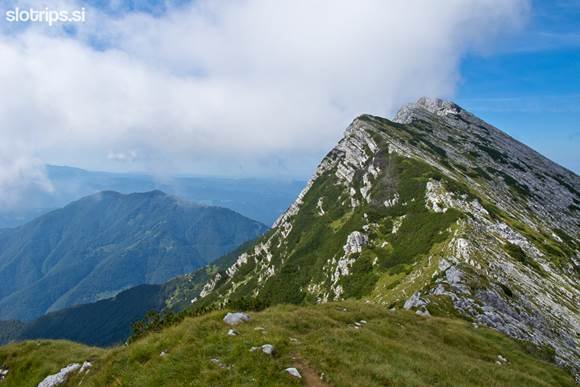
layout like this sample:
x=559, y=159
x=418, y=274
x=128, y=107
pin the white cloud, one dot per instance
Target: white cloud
x=233, y=82
x=123, y=157
x=20, y=174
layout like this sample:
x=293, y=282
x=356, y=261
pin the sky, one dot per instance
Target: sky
x=265, y=88
x=529, y=85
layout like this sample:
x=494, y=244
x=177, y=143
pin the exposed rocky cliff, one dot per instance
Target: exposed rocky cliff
x=436, y=211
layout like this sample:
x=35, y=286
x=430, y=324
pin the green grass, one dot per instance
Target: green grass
x=31, y=361
x=394, y=348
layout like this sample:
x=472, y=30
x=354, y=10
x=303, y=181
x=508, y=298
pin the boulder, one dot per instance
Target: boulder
x=60, y=377
x=236, y=318
x=268, y=349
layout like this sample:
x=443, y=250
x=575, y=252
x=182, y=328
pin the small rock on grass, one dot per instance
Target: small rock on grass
x=218, y=362
x=233, y=332
x=293, y=372
x=236, y=318
x=268, y=349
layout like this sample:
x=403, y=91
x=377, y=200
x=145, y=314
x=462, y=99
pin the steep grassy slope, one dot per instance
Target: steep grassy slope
x=102, y=244
x=322, y=341
x=439, y=212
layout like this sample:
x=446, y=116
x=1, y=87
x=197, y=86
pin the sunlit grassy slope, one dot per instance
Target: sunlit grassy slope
x=393, y=348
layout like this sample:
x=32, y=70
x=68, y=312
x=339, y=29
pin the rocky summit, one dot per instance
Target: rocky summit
x=436, y=211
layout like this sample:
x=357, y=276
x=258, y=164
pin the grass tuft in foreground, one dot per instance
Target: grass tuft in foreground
x=329, y=341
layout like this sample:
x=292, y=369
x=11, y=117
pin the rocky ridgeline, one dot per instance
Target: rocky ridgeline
x=551, y=192
x=434, y=210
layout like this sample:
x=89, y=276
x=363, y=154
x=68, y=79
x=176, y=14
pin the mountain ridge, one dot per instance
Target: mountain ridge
x=440, y=213
x=259, y=199
x=105, y=243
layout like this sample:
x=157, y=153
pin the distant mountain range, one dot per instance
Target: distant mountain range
x=260, y=199
x=105, y=243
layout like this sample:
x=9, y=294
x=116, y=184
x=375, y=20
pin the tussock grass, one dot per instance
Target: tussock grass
x=393, y=348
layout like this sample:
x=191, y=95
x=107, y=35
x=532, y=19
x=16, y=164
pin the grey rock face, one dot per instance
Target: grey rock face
x=471, y=142
x=355, y=242
x=60, y=377
x=524, y=185
x=414, y=302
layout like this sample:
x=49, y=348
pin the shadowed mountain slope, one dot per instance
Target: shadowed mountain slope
x=105, y=243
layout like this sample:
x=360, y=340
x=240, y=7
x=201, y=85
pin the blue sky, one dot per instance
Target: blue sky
x=530, y=87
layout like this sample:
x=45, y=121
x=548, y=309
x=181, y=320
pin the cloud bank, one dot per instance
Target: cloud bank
x=229, y=87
